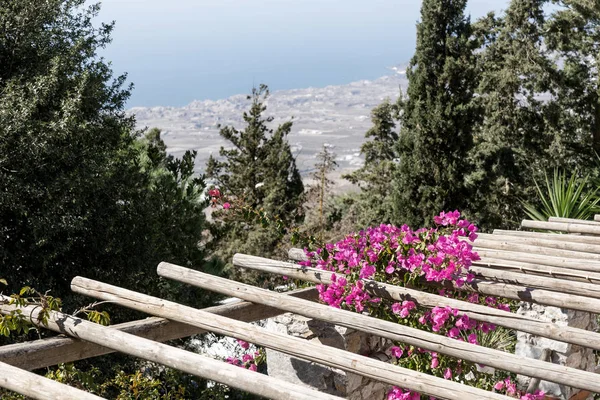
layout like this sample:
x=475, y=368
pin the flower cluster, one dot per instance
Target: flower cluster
x=215, y=197
x=428, y=259
x=248, y=360
x=509, y=388
x=400, y=394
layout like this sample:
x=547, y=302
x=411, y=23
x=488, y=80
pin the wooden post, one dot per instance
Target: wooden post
x=478, y=312
x=58, y=350
x=597, y=217
x=38, y=387
x=361, y=365
x=381, y=328
x=170, y=356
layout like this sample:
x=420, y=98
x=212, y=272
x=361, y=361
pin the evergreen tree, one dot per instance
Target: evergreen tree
x=539, y=96
x=572, y=34
x=319, y=192
x=437, y=118
x=76, y=194
x=259, y=171
x=514, y=69
x=374, y=204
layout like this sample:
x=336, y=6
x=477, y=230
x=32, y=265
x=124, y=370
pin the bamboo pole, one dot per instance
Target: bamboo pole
x=46, y=352
x=539, y=269
x=537, y=282
x=333, y=357
x=38, y=387
x=543, y=242
x=385, y=329
x=572, y=221
x=170, y=356
x=531, y=249
x=561, y=226
x=558, y=237
x=478, y=312
x=572, y=264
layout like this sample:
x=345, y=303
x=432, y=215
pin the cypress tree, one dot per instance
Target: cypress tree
x=437, y=117
x=538, y=93
x=510, y=135
x=572, y=33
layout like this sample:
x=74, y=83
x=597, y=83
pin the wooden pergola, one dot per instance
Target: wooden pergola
x=546, y=268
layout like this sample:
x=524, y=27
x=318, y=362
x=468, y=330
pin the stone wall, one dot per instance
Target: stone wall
x=326, y=379
x=561, y=353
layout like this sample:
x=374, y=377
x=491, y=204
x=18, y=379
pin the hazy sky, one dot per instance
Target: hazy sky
x=176, y=51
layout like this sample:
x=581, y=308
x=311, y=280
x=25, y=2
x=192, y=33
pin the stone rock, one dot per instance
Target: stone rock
x=320, y=377
x=562, y=353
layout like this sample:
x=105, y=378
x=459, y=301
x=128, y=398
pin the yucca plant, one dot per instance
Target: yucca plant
x=567, y=198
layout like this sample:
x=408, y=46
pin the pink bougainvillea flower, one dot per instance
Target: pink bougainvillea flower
x=244, y=345
x=396, y=351
x=226, y=206
x=447, y=374
x=499, y=385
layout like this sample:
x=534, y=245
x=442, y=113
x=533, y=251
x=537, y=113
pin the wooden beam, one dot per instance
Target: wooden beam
x=540, y=269
x=296, y=347
x=478, y=312
x=537, y=282
x=573, y=221
x=518, y=247
x=543, y=242
x=385, y=329
x=561, y=262
x=597, y=217
x=573, y=238
x=38, y=387
x=515, y=292
x=173, y=357
x=44, y=353
x=561, y=226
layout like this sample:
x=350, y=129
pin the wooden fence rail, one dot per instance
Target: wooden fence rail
x=573, y=221
x=482, y=243
x=515, y=292
x=562, y=227
x=357, y=364
x=561, y=262
x=540, y=269
x=37, y=387
x=58, y=350
x=537, y=282
x=169, y=356
x=386, y=329
x=572, y=238
x=543, y=242
x=478, y=312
